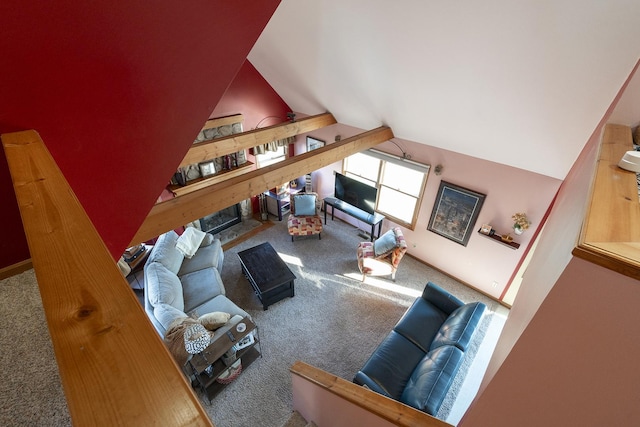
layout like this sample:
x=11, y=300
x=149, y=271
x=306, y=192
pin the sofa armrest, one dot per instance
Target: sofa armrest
x=364, y=380
x=441, y=298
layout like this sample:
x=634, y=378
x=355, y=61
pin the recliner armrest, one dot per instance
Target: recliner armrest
x=441, y=298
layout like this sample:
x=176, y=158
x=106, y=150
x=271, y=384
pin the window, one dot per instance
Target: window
x=400, y=183
x=271, y=157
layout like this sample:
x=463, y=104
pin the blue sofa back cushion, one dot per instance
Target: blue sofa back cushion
x=431, y=379
x=458, y=329
x=390, y=366
x=420, y=323
x=305, y=204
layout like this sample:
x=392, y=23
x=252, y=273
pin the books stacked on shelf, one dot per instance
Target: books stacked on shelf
x=132, y=253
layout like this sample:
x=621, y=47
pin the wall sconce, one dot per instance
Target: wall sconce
x=438, y=170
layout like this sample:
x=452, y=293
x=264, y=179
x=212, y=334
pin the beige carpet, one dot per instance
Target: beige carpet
x=333, y=322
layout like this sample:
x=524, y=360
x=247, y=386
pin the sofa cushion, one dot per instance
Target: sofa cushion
x=163, y=286
x=210, y=256
x=165, y=251
x=390, y=366
x=458, y=329
x=208, y=239
x=420, y=323
x=214, y=320
x=432, y=378
x=167, y=314
x=219, y=303
x=305, y=204
x=200, y=286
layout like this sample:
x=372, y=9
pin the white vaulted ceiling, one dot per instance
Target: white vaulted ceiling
x=523, y=83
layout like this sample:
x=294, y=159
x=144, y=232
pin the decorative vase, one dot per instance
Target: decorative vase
x=517, y=230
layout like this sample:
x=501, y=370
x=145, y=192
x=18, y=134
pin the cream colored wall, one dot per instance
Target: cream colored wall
x=313, y=402
x=483, y=263
x=565, y=356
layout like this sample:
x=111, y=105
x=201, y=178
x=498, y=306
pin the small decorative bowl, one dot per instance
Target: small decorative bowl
x=506, y=238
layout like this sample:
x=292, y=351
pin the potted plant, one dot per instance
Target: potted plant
x=521, y=222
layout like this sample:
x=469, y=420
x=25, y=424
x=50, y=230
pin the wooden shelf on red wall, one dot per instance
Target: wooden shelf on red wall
x=496, y=237
x=199, y=183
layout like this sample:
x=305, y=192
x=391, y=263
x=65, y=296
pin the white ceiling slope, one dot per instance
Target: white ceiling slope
x=523, y=83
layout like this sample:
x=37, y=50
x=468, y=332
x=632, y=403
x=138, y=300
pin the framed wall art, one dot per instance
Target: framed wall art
x=314, y=143
x=455, y=212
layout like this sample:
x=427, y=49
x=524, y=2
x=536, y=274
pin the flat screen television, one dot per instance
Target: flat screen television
x=355, y=193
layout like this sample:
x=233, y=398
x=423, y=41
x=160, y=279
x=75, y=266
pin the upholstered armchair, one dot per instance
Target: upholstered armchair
x=304, y=219
x=381, y=258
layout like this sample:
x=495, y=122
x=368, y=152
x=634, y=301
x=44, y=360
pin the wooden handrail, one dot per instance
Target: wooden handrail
x=610, y=235
x=375, y=403
x=115, y=370
x=180, y=210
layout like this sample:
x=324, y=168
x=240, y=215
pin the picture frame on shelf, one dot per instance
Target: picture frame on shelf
x=455, y=212
x=314, y=143
x=486, y=229
x=192, y=172
x=207, y=168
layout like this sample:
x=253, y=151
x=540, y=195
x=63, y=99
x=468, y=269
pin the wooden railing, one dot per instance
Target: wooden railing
x=362, y=399
x=114, y=368
x=610, y=235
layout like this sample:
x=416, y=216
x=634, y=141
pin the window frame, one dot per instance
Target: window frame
x=384, y=159
x=275, y=159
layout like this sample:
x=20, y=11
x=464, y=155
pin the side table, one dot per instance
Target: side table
x=208, y=366
x=135, y=276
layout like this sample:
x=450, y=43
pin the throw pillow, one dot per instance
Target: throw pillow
x=305, y=204
x=174, y=339
x=384, y=244
x=190, y=241
x=215, y=320
x=208, y=239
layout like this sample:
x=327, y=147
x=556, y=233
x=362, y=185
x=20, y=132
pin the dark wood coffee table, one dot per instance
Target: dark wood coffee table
x=268, y=274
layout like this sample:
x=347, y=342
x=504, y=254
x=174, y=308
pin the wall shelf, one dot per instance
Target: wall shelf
x=220, y=176
x=496, y=237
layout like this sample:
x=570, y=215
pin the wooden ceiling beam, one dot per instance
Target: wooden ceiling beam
x=208, y=150
x=114, y=367
x=181, y=210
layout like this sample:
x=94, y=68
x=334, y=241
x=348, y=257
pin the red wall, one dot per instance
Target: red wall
x=251, y=95
x=118, y=92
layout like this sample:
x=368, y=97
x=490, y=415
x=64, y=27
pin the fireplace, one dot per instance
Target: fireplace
x=221, y=220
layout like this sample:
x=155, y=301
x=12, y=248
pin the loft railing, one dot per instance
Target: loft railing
x=114, y=368
x=610, y=234
x=353, y=402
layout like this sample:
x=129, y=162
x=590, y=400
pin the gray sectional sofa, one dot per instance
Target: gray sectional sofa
x=416, y=363
x=176, y=287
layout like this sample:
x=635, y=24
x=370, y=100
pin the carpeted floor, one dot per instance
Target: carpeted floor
x=334, y=322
